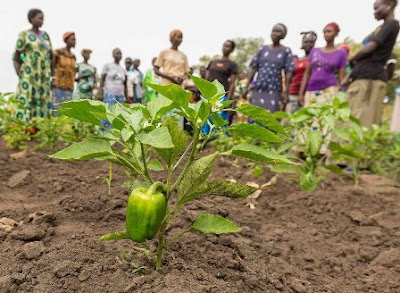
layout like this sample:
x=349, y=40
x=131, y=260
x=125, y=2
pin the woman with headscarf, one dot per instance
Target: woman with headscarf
x=174, y=63
x=64, y=70
x=34, y=70
x=300, y=65
x=269, y=63
x=319, y=81
x=86, y=77
x=369, y=77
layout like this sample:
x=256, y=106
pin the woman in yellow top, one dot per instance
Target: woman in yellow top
x=64, y=70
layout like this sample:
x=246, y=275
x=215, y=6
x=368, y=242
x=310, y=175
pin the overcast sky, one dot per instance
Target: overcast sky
x=141, y=28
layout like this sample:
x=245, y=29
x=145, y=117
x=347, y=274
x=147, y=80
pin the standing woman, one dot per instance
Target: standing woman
x=368, y=87
x=34, y=87
x=319, y=81
x=174, y=63
x=300, y=65
x=64, y=70
x=86, y=77
x=225, y=71
x=113, y=80
x=269, y=63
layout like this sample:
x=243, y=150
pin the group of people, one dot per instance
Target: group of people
x=276, y=79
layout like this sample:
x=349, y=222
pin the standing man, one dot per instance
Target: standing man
x=138, y=80
x=368, y=87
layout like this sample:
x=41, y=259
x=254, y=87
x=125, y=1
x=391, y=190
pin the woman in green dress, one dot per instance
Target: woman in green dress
x=86, y=77
x=34, y=72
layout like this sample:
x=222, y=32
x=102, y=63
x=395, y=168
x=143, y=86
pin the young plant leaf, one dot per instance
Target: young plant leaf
x=214, y=224
x=255, y=131
x=218, y=121
x=261, y=116
x=158, y=138
x=315, y=140
x=206, y=88
x=155, y=165
x=179, y=140
x=229, y=189
x=173, y=92
x=85, y=150
x=115, y=236
x=196, y=175
x=257, y=153
x=160, y=106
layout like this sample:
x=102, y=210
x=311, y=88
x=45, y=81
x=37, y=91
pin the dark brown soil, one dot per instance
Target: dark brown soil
x=339, y=239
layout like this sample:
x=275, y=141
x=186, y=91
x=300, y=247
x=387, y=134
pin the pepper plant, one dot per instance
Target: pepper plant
x=314, y=128
x=145, y=140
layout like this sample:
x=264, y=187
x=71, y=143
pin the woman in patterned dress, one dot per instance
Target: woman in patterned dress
x=269, y=63
x=34, y=87
x=86, y=77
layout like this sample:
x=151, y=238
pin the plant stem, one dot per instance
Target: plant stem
x=177, y=236
x=183, y=156
x=146, y=171
x=196, y=135
x=161, y=242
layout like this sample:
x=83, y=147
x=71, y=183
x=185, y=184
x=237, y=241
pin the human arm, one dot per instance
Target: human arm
x=17, y=62
x=101, y=87
x=232, y=82
x=304, y=83
x=388, y=29
x=364, y=52
x=176, y=80
x=250, y=76
x=391, y=67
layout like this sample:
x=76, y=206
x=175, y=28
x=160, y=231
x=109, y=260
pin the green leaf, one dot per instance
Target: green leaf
x=229, y=189
x=155, y=165
x=196, y=175
x=203, y=111
x=284, y=168
x=179, y=140
x=286, y=146
x=115, y=236
x=335, y=169
x=261, y=116
x=255, y=131
x=173, y=92
x=206, y=88
x=218, y=121
x=90, y=111
x=315, y=141
x=214, y=224
x=281, y=115
x=158, y=138
x=85, y=150
x=159, y=106
x=342, y=133
x=257, y=153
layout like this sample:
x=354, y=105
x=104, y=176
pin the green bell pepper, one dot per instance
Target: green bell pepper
x=145, y=211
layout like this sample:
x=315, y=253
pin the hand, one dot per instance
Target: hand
x=245, y=92
x=284, y=98
x=178, y=80
x=300, y=100
x=345, y=82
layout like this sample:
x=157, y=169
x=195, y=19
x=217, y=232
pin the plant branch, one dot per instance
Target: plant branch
x=177, y=236
x=146, y=171
x=191, y=158
x=183, y=156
